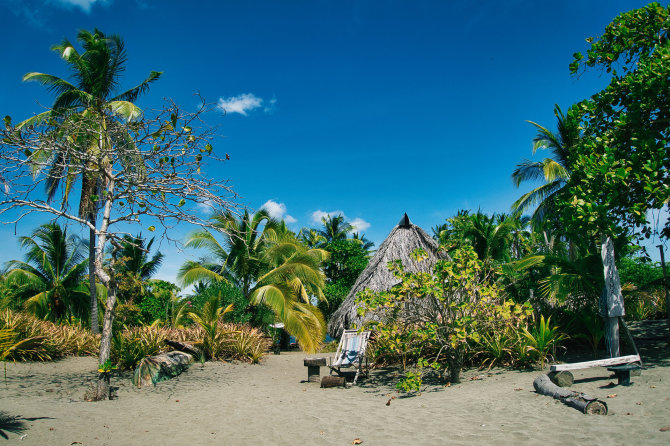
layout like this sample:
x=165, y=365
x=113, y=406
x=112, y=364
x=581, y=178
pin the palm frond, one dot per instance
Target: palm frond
x=135, y=92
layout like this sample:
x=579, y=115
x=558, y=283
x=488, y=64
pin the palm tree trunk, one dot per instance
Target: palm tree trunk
x=95, y=327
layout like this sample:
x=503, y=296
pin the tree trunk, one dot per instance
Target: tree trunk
x=95, y=326
x=108, y=280
x=102, y=392
x=613, y=303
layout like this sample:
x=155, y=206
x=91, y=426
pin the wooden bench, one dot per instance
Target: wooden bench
x=314, y=368
x=561, y=376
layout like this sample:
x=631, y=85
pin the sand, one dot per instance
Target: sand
x=272, y=404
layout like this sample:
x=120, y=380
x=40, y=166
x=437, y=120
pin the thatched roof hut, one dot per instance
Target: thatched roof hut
x=400, y=243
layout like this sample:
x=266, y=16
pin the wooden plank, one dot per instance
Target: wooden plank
x=597, y=363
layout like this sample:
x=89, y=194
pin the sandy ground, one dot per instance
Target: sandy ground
x=224, y=403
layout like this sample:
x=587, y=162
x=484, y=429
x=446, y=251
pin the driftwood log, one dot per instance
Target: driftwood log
x=561, y=379
x=184, y=347
x=333, y=381
x=153, y=369
x=578, y=400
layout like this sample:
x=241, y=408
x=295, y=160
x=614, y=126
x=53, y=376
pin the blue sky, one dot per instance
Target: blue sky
x=369, y=108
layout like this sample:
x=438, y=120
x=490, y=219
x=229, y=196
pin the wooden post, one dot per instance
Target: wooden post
x=665, y=285
x=614, y=308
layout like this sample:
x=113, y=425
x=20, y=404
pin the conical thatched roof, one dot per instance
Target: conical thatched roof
x=399, y=245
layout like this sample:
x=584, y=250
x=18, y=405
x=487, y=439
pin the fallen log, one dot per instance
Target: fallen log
x=578, y=400
x=333, y=381
x=153, y=369
x=184, y=347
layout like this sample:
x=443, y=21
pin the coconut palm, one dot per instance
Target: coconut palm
x=366, y=244
x=50, y=279
x=311, y=238
x=335, y=228
x=553, y=171
x=91, y=98
x=491, y=236
x=133, y=263
x=238, y=259
x=272, y=267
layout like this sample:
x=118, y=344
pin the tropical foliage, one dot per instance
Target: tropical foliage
x=96, y=74
x=270, y=265
x=50, y=280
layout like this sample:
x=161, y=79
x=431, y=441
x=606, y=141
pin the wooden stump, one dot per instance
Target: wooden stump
x=333, y=381
x=561, y=379
x=579, y=401
x=314, y=368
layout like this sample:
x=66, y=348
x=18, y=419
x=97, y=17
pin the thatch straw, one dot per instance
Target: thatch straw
x=399, y=245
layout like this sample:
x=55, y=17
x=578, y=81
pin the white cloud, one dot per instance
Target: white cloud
x=358, y=223
x=245, y=103
x=85, y=5
x=206, y=207
x=319, y=214
x=278, y=211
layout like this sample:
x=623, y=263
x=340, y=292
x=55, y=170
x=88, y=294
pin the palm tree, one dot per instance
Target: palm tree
x=491, y=236
x=50, y=279
x=238, y=259
x=132, y=262
x=96, y=72
x=271, y=267
x=335, y=228
x=553, y=171
x=311, y=238
x=366, y=244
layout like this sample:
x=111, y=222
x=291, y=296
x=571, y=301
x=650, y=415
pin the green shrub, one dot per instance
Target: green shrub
x=132, y=345
x=246, y=343
x=542, y=339
x=58, y=340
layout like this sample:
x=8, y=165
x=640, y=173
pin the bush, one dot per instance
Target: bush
x=129, y=346
x=441, y=321
x=59, y=340
x=242, y=312
x=247, y=344
x=134, y=344
x=127, y=315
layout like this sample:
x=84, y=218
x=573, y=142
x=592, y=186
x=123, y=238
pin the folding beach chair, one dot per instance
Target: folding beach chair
x=351, y=353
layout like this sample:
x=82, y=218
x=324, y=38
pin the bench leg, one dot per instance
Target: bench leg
x=623, y=377
x=313, y=372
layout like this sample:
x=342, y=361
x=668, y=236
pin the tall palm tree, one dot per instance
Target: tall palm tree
x=91, y=97
x=50, y=278
x=132, y=261
x=553, y=171
x=335, y=228
x=271, y=266
x=238, y=259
